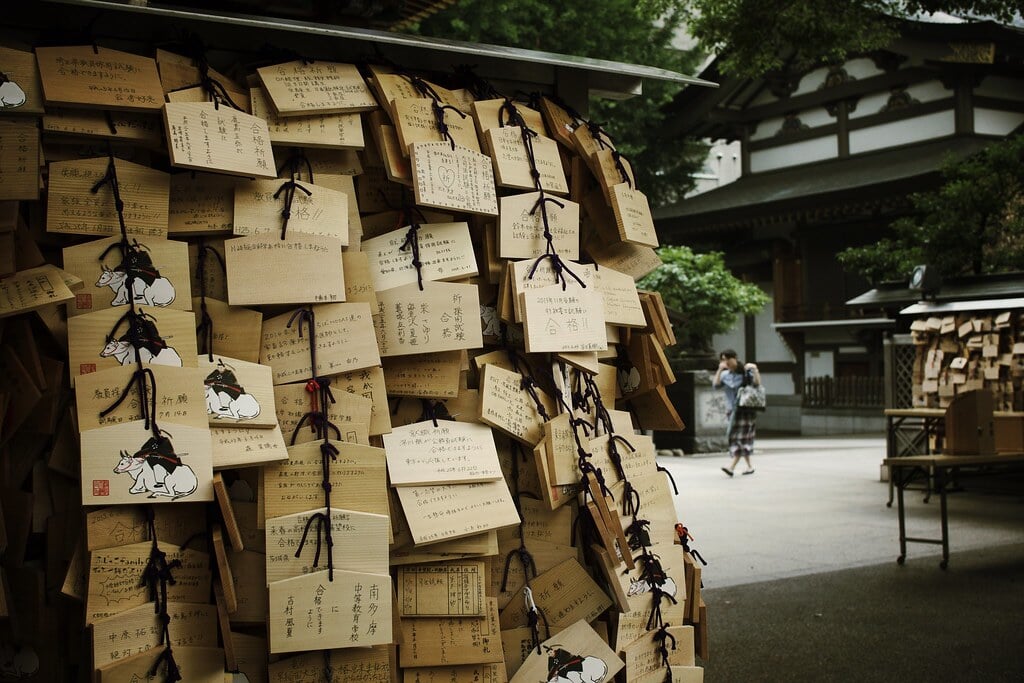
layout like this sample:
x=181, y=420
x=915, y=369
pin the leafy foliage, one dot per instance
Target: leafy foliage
x=619, y=30
x=972, y=224
x=758, y=36
x=704, y=292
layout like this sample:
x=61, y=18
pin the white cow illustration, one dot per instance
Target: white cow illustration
x=245, y=407
x=160, y=293
x=11, y=95
x=641, y=586
x=565, y=667
x=156, y=480
x=124, y=353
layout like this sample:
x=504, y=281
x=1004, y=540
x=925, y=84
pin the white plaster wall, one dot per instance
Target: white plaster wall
x=995, y=122
x=812, y=118
x=928, y=91
x=770, y=346
x=778, y=383
x=794, y=154
x=819, y=363
x=1000, y=86
x=733, y=339
x=862, y=68
x=939, y=124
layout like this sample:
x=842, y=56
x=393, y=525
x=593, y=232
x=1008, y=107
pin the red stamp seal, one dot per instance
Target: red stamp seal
x=83, y=301
x=86, y=368
x=101, y=487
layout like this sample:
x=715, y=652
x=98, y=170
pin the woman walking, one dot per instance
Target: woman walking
x=731, y=376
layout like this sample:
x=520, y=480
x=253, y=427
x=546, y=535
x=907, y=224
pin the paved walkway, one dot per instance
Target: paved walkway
x=803, y=585
x=816, y=505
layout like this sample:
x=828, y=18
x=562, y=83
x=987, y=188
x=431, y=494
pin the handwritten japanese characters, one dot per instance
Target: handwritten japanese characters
x=205, y=138
x=90, y=76
x=447, y=453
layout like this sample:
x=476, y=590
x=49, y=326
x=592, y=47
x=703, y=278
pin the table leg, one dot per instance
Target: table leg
x=890, y=450
x=940, y=482
x=894, y=472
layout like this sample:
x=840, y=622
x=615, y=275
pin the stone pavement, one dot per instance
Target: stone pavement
x=816, y=505
x=802, y=583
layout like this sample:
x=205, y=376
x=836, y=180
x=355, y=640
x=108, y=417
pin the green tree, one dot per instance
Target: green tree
x=972, y=224
x=702, y=290
x=754, y=37
x=618, y=30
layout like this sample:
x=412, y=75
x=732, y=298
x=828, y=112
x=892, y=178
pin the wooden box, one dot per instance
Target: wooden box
x=1009, y=432
x=970, y=424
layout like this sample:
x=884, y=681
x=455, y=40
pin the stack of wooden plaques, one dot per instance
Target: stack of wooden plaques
x=326, y=373
x=960, y=353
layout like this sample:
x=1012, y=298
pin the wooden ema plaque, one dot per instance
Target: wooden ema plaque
x=445, y=251
x=19, y=160
x=180, y=397
x=142, y=129
x=32, y=289
x=452, y=641
x=366, y=383
x=200, y=95
x=565, y=593
x=90, y=76
x=423, y=454
x=114, y=578
x=178, y=71
x=237, y=447
x=164, y=284
x=224, y=140
x=300, y=89
x=506, y=406
x=109, y=644
x=124, y=464
x=521, y=227
x=311, y=612
x=644, y=663
x=170, y=341
x=443, y=316
x=415, y=122
x=201, y=204
x=358, y=476
x=632, y=259
x=448, y=589
x=458, y=179
x=427, y=375
x=344, y=339
x=332, y=131
x=560, y=123
x=74, y=209
x=259, y=203
x=543, y=278
x=119, y=525
x=512, y=165
x=488, y=114
x=238, y=393
x=358, y=665
x=563, y=320
x=199, y=664
x=22, y=93
x=262, y=268
x=633, y=216
x=236, y=330
x=360, y=544
x=441, y=513
x=620, y=298
x=293, y=401
x=597, y=661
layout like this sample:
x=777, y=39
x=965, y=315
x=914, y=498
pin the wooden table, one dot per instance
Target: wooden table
x=909, y=431
x=938, y=469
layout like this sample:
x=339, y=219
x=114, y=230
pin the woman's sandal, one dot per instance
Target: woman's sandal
x=727, y=471
x=750, y=471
